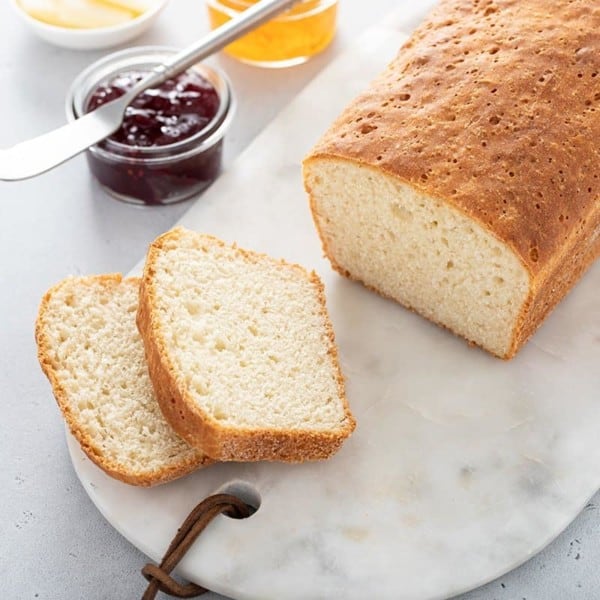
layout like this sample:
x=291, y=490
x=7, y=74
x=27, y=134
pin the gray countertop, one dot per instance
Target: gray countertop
x=54, y=544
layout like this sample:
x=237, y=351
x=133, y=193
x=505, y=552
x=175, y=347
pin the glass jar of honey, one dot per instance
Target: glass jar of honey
x=289, y=39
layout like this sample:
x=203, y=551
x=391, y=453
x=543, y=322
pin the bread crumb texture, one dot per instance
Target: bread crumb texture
x=248, y=345
x=91, y=351
x=422, y=253
x=464, y=181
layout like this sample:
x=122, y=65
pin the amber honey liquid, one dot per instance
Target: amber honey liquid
x=291, y=38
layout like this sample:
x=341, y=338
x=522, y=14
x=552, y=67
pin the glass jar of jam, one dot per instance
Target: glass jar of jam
x=169, y=146
x=289, y=39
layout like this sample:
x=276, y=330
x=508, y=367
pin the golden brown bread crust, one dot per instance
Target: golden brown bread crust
x=200, y=429
x=95, y=454
x=494, y=107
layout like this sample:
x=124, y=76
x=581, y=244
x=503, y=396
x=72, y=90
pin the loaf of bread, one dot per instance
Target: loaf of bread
x=241, y=351
x=90, y=350
x=464, y=182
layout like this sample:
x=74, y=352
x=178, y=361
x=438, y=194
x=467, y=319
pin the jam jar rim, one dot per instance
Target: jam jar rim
x=322, y=6
x=132, y=58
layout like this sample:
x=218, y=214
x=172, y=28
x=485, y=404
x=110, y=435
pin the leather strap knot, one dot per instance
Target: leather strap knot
x=159, y=576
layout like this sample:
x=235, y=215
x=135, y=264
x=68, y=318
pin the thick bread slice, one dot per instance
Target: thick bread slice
x=464, y=181
x=90, y=350
x=241, y=351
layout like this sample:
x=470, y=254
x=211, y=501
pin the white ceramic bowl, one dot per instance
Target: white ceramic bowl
x=90, y=39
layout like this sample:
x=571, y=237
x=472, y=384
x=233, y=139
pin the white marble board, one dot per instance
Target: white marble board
x=462, y=466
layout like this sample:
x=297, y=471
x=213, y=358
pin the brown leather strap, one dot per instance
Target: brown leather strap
x=159, y=576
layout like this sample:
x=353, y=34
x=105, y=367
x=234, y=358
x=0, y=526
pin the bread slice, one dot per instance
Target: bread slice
x=241, y=351
x=463, y=182
x=90, y=350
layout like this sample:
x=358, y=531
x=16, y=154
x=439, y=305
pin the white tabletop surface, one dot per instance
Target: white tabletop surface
x=54, y=544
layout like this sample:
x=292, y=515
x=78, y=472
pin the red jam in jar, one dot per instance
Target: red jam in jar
x=169, y=146
x=180, y=108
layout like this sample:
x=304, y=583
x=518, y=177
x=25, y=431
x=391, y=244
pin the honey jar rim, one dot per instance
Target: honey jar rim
x=322, y=6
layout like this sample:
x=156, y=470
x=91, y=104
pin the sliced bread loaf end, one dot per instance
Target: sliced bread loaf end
x=90, y=350
x=241, y=351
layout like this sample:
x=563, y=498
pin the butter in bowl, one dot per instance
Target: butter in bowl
x=88, y=24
